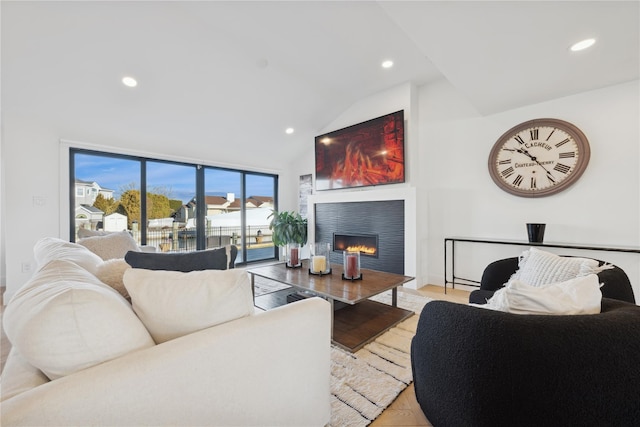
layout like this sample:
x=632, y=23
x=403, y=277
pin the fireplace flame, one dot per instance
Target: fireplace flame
x=362, y=249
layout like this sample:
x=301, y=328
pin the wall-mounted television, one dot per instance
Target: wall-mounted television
x=369, y=153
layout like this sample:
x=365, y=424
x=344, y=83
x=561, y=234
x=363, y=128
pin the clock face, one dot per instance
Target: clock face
x=539, y=157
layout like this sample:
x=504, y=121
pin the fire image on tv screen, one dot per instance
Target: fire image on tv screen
x=369, y=153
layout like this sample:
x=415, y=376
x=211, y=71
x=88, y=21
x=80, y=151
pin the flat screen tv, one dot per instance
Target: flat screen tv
x=369, y=153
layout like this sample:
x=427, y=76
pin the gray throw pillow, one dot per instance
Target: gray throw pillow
x=210, y=259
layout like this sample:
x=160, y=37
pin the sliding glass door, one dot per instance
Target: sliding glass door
x=183, y=207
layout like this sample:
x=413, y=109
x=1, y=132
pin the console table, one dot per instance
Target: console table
x=450, y=242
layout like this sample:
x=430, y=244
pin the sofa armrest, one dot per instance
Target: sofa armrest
x=272, y=368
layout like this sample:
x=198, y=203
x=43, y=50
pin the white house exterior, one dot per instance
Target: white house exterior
x=87, y=191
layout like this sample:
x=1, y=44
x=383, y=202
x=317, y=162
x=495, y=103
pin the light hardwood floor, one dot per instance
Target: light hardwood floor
x=404, y=411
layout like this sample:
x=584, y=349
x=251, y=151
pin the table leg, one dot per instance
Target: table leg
x=332, y=313
x=394, y=297
x=445, y=266
x=253, y=286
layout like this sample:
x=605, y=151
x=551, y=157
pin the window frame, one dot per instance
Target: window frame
x=200, y=196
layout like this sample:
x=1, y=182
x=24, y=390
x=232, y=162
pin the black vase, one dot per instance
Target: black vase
x=535, y=232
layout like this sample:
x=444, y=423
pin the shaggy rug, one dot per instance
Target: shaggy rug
x=365, y=383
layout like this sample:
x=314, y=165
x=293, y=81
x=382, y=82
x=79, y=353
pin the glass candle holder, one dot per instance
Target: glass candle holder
x=292, y=255
x=320, y=263
x=351, y=264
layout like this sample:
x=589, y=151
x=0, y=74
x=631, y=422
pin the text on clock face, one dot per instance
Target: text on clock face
x=544, y=156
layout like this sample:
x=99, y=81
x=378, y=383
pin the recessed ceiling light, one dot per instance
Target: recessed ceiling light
x=387, y=64
x=289, y=131
x=129, y=81
x=581, y=45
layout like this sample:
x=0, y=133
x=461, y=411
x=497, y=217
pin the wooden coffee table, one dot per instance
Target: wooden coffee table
x=359, y=320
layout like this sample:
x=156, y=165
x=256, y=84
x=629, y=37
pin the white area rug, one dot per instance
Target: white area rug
x=365, y=383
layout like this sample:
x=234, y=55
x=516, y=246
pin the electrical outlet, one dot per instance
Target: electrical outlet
x=39, y=201
x=26, y=267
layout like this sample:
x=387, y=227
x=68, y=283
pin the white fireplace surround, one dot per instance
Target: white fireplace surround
x=406, y=193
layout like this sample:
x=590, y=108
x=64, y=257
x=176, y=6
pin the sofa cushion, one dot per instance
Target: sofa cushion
x=19, y=376
x=576, y=296
x=65, y=320
x=537, y=268
x=172, y=303
x=84, y=233
x=111, y=272
x=51, y=248
x=111, y=245
x=218, y=259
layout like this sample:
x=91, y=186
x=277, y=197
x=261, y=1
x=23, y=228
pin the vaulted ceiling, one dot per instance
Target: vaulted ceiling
x=237, y=74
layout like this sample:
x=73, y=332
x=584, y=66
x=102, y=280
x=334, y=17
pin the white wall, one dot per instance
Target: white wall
x=602, y=208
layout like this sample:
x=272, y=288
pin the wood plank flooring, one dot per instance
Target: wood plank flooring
x=403, y=412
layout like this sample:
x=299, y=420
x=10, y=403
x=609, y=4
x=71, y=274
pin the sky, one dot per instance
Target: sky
x=176, y=181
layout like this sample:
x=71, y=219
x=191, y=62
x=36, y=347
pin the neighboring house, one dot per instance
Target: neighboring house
x=216, y=205
x=87, y=191
x=88, y=217
x=252, y=202
x=235, y=206
x=184, y=213
x=261, y=201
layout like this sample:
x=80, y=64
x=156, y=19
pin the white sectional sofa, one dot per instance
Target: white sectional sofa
x=189, y=350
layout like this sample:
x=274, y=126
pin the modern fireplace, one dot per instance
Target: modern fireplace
x=379, y=224
x=366, y=244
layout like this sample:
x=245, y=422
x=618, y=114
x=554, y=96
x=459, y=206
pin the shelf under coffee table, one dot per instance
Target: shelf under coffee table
x=358, y=320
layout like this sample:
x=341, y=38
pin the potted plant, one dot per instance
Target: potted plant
x=290, y=231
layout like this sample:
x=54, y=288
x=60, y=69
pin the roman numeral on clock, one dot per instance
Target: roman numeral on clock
x=518, y=181
x=567, y=155
x=533, y=182
x=533, y=134
x=519, y=139
x=505, y=162
x=507, y=172
x=561, y=143
x=562, y=168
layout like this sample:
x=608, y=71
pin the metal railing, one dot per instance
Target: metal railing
x=184, y=240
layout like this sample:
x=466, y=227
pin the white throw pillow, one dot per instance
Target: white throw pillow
x=173, y=303
x=51, y=248
x=110, y=246
x=65, y=320
x=581, y=295
x=538, y=268
x=111, y=272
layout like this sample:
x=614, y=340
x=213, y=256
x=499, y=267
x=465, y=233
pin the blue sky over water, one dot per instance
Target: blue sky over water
x=174, y=180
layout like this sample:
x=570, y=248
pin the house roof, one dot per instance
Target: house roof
x=216, y=201
x=89, y=208
x=261, y=199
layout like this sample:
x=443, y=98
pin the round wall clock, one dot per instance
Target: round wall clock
x=539, y=157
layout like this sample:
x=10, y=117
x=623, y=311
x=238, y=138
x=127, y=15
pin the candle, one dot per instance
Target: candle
x=294, y=257
x=352, y=266
x=319, y=264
